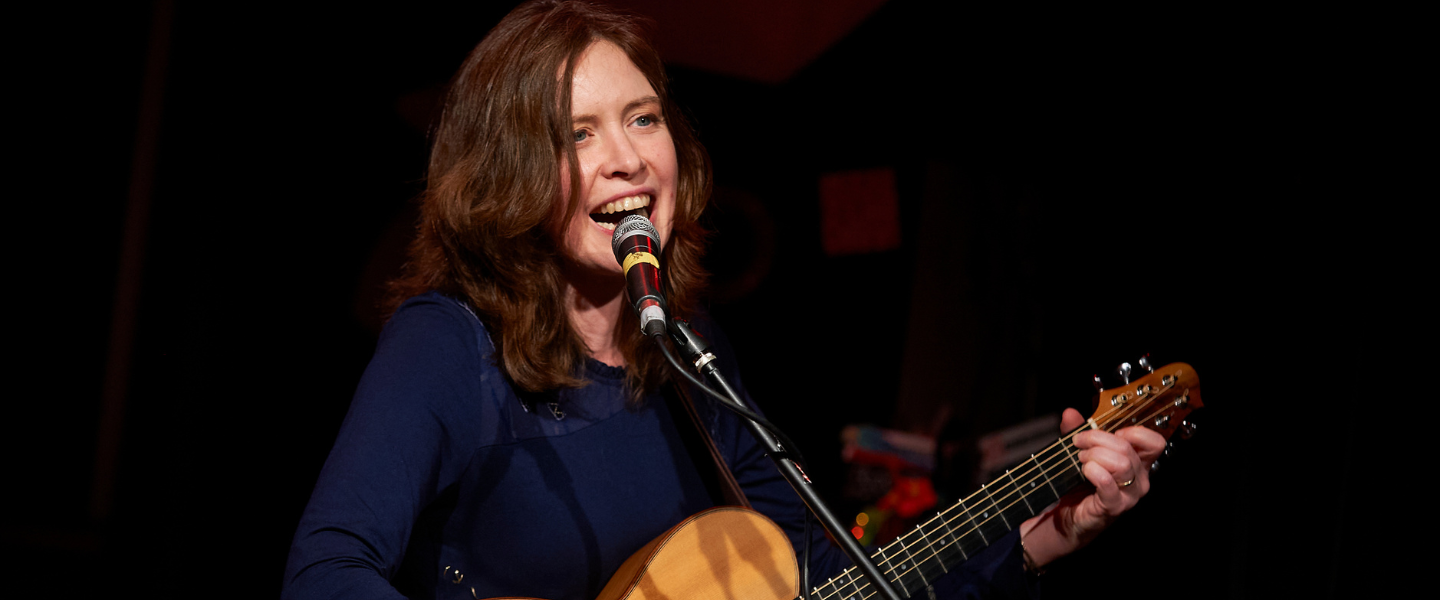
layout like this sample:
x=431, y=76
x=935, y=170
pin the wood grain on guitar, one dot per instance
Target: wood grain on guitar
x=732, y=553
x=725, y=553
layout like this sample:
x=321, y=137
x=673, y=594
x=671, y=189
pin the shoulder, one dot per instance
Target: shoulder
x=432, y=327
x=433, y=352
x=434, y=314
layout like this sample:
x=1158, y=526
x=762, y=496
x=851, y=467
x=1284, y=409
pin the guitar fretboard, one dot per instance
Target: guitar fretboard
x=930, y=550
x=1158, y=400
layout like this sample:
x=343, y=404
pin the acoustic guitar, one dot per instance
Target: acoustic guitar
x=732, y=553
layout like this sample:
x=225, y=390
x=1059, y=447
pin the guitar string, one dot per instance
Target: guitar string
x=861, y=589
x=1016, y=493
x=956, y=537
x=1109, y=422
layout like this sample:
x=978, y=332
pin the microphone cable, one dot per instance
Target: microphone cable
x=788, y=448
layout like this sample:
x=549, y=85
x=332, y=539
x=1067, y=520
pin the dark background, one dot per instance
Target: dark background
x=1075, y=189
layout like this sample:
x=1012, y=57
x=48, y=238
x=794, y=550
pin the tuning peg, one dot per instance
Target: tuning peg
x=1124, y=371
x=1187, y=429
x=1145, y=364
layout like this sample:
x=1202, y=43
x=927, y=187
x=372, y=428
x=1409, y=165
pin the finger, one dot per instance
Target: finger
x=1109, y=497
x=1096, y=438
x=1148, y=444
x=1143, y=447
x=1115, y=443
x=1119, y=457
x=1070, y=419
x=1120, y=466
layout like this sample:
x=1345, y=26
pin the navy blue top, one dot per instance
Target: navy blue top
x=440, y=468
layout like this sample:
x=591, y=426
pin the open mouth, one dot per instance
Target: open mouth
x=612, y=212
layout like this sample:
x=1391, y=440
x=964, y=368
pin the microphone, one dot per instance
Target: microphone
x=637, y=246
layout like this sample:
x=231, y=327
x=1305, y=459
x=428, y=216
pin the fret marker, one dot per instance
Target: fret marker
x=977, y=526
x=954, y=541
x=931, y=546
x=912, y=561
x=850, y=572
x=997, y=508
x=1022, y=496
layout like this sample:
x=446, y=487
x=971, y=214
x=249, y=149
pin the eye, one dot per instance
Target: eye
x=646, y=120
x=581, y=135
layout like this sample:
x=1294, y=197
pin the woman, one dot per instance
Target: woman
x=510, y=436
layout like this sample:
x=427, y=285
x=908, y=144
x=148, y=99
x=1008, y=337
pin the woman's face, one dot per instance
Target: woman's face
x=627, y=159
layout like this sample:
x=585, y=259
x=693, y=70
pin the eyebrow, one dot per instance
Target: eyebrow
x=632, y=105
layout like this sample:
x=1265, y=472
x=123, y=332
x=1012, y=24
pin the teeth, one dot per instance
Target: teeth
x=627, y=203
x=610, y=226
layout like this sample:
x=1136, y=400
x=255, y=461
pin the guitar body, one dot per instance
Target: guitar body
x=725, y=553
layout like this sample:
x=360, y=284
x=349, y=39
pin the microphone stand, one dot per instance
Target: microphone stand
x=697, y=350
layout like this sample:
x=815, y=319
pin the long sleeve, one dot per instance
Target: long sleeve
x=397, y=449
x=444, y=484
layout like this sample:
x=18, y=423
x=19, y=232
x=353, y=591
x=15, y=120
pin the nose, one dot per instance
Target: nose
x=622, y=159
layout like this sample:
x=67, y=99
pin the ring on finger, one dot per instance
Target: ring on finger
x=1127, y=482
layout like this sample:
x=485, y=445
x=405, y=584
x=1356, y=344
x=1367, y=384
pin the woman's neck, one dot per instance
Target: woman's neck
x=594, y=304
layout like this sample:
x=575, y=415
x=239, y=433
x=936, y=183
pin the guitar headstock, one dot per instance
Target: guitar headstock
x=1160, y=398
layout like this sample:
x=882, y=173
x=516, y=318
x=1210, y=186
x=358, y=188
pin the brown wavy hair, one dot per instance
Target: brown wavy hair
x=486, y=233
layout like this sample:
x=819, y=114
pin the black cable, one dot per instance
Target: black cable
x=805, y=566
x=788, y=447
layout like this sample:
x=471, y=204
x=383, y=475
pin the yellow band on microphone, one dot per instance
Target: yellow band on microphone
x=639, y=257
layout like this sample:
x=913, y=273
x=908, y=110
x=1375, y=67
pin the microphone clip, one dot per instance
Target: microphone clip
x=693, y=346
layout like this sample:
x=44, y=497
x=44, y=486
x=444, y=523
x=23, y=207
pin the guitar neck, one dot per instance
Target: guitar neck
x=1159, y=401
x=952, y=536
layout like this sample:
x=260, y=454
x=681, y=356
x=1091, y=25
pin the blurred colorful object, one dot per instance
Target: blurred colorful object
x=909, y=497
x=868, y=444
x=1010, y=446
x=890, y=474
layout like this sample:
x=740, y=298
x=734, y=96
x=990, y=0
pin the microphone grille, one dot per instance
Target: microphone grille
x=633, y=225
